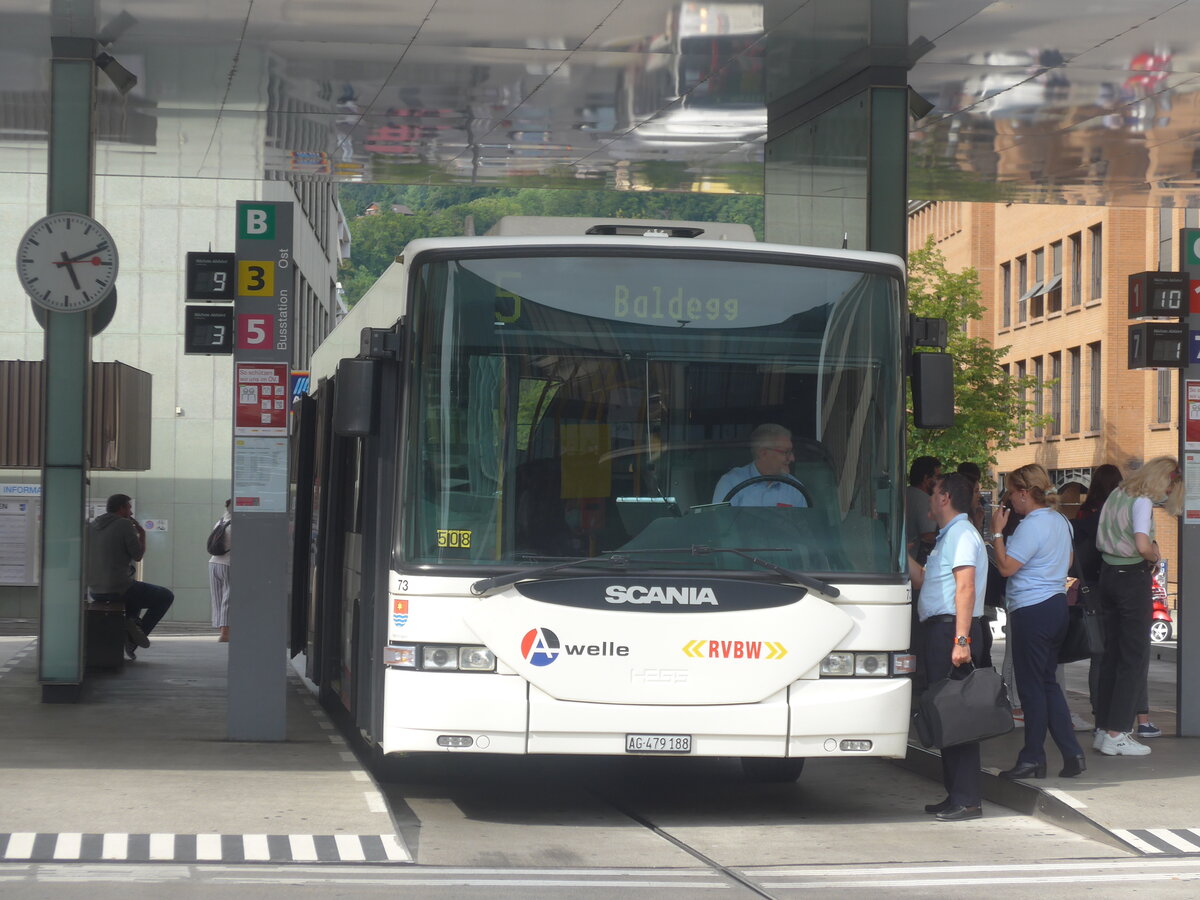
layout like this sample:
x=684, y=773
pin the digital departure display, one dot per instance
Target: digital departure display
x=208, y=330
x=210, y=276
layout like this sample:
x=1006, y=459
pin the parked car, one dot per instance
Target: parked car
x=1162, y=626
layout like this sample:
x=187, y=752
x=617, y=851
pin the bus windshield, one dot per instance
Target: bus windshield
x=573, y=405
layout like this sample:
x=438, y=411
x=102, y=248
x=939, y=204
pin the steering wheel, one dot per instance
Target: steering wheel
x=784, y=479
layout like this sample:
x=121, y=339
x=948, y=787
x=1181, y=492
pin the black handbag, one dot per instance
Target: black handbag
x=1085, y=631
x=962, y=710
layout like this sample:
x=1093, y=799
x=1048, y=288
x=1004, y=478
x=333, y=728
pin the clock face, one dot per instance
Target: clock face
x=67, y=262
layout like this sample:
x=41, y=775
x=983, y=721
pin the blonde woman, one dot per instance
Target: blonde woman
x=1035, y=561
x=1125, y=539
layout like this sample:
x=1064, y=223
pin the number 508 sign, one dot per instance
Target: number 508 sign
x=255, y=331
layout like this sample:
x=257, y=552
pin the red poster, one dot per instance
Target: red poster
x=261, y=399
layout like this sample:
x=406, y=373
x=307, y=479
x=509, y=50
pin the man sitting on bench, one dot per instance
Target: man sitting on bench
x=116, y=542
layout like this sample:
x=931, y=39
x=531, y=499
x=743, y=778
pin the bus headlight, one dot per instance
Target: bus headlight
x=838, y=664
x=439, y=658
x=867, y=664
x=476, y=659
x=874, y=665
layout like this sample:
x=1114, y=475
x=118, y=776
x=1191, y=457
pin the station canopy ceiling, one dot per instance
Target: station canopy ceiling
x=1075, y=101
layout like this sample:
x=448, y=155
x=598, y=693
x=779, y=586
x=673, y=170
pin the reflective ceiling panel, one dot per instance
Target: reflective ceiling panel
x=1081, y=101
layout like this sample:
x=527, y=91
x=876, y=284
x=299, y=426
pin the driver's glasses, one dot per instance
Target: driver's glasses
x=788, y=452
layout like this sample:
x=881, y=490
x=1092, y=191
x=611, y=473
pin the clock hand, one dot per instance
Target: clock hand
x=70, y=269
x=66, y=261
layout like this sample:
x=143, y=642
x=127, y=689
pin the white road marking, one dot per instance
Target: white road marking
x=68, y=844
x=255, y=847
x=1175, y=840
x=116, y=846
x=208, y=846
x=162, y=847
x=349, y=847
x=304, y=848
x=395, y=851
x=375, y=802
x=1134, y=841
x=1065, y=798
x=359, y=775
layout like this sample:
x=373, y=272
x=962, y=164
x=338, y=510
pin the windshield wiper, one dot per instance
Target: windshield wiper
x=481, y=587
x=813, y=584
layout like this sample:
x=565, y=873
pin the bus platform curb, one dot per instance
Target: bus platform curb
x=1019, y=796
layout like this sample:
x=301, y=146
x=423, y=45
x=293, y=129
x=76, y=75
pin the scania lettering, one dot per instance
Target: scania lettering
x=616, y=593
x=509, y=537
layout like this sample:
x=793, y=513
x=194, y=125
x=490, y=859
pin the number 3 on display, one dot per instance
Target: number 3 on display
x=256, y=278
x=255, y=332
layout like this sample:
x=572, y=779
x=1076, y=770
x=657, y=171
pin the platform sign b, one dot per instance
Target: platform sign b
x=256, y=222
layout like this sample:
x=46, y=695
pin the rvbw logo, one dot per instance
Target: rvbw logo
x=540, y=646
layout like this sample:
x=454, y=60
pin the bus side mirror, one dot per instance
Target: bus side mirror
x=356, y=390
x=933, y=390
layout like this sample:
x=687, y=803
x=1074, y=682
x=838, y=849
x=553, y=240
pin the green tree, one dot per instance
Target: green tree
x=441, y=210
x=992, y=407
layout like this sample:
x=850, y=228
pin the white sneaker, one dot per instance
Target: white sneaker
x=1122, y=745
x=1080, y=724
x=1101, y=734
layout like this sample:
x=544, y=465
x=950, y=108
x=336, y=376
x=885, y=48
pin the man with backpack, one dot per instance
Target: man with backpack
x=116, y=543
x=219, y=543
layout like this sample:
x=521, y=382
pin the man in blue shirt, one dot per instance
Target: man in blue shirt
x=772, y=452
x=952, y=585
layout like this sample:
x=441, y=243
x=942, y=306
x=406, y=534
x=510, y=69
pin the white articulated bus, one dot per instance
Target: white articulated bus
x=508, y=537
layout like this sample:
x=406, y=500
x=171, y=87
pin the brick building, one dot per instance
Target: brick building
x=1054, y=282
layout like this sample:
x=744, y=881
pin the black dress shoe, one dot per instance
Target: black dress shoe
x=1073, y=766
x=1025, y=770
x=959, y=813
x=932, y=808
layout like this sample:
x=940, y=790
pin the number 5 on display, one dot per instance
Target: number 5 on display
x=254, y=331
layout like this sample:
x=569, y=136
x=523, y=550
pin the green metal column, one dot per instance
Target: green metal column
x=887, y=170
x=67, y=368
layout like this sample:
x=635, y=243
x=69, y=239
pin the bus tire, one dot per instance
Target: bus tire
x=767, y=770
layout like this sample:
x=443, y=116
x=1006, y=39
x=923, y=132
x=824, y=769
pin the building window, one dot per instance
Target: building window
x=1022, y=398
x=1056, y=393
x=1006, y=294
x=1076, y=381
x=1022, y=280
x=1039, y=394
x=1097, y=280
x=1094, y=387
x=1164, y=395
x=1076, y=269
x=1053, y=287
x=1038, y=288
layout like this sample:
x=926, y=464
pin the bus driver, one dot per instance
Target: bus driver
x=772, y=454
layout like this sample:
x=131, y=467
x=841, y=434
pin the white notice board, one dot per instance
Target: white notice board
x=20, y=527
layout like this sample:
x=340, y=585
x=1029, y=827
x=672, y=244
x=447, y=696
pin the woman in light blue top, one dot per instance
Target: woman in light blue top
x=1035, y=561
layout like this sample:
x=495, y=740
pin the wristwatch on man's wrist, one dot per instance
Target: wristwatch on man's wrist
x=962, y=640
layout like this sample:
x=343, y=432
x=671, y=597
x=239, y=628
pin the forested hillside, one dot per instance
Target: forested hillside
x=439, y=211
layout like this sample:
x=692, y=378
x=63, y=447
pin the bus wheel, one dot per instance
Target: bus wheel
x=771, y=771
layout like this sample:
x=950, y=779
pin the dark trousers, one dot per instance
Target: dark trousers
x=1038, y=634
x=1125, y=599
x=152, y=598
x=960, y=765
